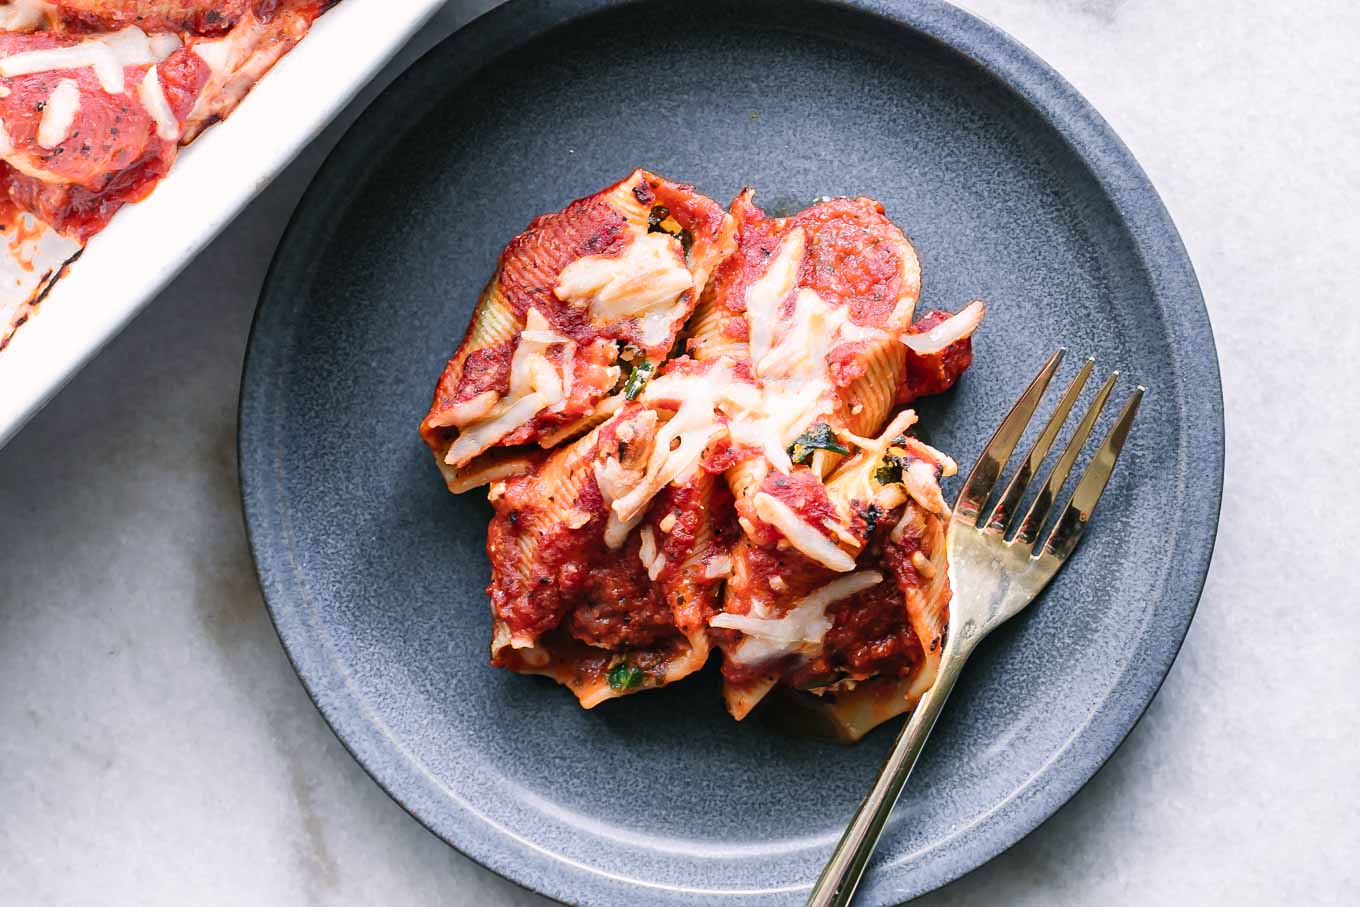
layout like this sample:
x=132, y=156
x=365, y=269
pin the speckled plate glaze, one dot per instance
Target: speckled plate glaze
x=1012, y=188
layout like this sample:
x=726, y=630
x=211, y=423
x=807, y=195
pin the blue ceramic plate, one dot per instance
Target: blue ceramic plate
x=1012, y=188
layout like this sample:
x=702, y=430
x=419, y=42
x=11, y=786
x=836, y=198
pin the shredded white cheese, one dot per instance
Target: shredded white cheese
x=26, y=15
x=772, y=416
x=718, y=566
x=477, y=439
x=59, y=114
x=955, y=328
x=535, y=385
x=923, y=565
x=107, y=55
x=923, y=486
x=644, y=282
x=801, y=629
x=221, y=55
x=694, y=425
x=854, y=480
x=614, y=481
x=651, y=558
x=767, y=292
x=470, y=410
x=802, y=535
x=152, y=96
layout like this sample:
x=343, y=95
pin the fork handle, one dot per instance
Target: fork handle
x=836, y=885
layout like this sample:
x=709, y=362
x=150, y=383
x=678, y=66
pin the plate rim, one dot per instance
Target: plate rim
x=1151, y=231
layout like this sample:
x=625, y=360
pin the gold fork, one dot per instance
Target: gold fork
x=993, y=577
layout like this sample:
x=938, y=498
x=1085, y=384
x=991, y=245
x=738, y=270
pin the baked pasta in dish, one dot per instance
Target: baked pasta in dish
x=690, y=423
x=96, y=99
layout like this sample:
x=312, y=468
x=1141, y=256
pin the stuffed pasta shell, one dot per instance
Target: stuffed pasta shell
x=690, y=422
x=863, y=638
x=578, y=299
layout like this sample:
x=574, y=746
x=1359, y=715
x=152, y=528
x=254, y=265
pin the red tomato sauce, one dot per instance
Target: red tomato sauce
x=852, y=257
x=199, y=17
x=547, y=573
x=804, y=494
x=937, y=372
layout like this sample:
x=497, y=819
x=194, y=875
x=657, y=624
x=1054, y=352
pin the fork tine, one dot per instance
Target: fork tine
x=1003, y=513
x=998, y=450
x=1039, y=508
x=1070, y=526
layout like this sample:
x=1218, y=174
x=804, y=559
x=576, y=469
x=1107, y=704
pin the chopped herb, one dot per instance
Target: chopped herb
x=872, y=514
x=624, y=677
x=686, y=242
x=819, y=436
x=890, y=472
x=895, y=466
x=636, y=378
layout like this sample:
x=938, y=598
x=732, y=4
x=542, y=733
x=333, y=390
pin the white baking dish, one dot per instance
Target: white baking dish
x=147, y=244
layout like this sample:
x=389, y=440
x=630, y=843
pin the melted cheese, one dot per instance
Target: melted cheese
x=681, y=441
x=800, y=630
x=535, y=385
x=646, y=282
x=709, y=405
x=651, y=558
x=481, y=436
x=923, y=565
x=802, y=535
x=27, y=15
x=616, y=480
x=718, y=566
x=790, y=353
x=920, y=481
x=152, y=96
x=222, y=55
x=953, y=329
x=107, y=55
x=773, y=416
x=59, y=114
x=767, y=292
x=854, y=480
x=802, y=345
x=461, y=414
x=6, y=143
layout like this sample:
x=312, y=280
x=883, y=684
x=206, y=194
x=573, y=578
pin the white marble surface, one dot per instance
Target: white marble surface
x=159, y=750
